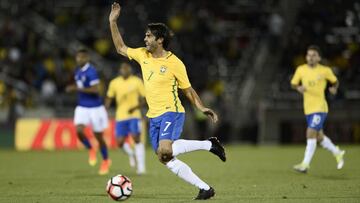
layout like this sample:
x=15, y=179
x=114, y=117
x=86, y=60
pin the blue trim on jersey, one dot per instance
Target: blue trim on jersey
x=166, y=126
x=86, y=77
x=316, y=120
x=125, y=127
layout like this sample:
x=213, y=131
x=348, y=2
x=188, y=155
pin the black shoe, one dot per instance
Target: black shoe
x=217, y=148
x=205, y=194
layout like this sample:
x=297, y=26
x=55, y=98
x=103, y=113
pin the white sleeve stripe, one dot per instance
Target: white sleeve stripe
x=94, y=82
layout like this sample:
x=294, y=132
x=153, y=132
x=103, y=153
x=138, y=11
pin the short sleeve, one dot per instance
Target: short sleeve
x=111, y=91
x=137, y=54
x=141, y=88
x=93, y=77
x=181, y=76
x=330, y=76
x=297, y=77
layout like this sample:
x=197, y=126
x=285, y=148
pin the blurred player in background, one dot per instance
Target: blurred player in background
x=163, y=74
x=310, y=80
x=90, y=108
x=128, y=91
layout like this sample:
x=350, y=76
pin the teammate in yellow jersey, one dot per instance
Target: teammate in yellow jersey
x=163, y=73
x=310, y=80
x=128, y=91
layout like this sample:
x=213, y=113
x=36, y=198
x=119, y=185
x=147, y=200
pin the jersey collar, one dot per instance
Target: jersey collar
x=85, y=67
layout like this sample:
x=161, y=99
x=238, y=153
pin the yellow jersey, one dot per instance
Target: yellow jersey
x=162, y=78
x=314, y=80
x=126, y=93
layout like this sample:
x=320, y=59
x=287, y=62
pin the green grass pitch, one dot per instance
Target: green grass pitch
x=251, y=174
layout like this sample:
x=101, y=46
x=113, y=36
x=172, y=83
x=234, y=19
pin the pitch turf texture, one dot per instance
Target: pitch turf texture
x=251, y=174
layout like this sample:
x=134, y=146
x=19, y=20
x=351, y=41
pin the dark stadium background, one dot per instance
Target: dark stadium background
x=239, y=55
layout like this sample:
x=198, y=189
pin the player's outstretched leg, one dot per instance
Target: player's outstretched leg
x=212, y=144
x=82, y=137
x=105, y=165
x=326, y=143
x=182, y=170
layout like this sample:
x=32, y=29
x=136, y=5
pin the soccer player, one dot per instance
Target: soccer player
x=163, y=73
x=128, y=91
x=90, y=108
x=310, y=80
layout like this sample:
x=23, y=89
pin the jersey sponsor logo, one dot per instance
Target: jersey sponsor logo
x=163, y=134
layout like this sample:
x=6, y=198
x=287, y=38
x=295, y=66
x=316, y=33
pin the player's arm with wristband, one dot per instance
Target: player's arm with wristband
x=120, y=46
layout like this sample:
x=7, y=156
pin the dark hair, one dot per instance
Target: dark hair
x=160, y=30
x=82, y=50
x=314, y=48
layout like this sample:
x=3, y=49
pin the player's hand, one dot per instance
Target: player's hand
x=211, y=114
x=333, y=90
x=115, y=12
x=71, y=88
x=301, y=89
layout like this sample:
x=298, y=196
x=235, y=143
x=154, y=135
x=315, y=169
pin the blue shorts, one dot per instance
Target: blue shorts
x=316, y=120
x=167, y=126
x=126, y=127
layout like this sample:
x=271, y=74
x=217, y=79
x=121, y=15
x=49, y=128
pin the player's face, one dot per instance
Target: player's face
x=82, y=58
x=150, y=41
x=125, y=70
x=312, y=57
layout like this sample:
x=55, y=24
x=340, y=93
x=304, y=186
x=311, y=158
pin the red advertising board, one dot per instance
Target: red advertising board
x=54, y=134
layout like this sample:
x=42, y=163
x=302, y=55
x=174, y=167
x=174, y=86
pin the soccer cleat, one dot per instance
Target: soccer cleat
x=302, y=168
x=340, y=159
x=217, y=148
x=92, y=157
x=205, y=194
x=105, y=166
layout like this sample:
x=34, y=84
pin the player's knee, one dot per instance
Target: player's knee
x=80, y=131
x=120, y=142
x=164, y=155
x=311, y=133
x=136, y=138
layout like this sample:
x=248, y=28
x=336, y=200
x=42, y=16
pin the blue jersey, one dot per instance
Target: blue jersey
x=85, y=77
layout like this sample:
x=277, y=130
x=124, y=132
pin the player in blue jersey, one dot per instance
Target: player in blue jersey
x=90, y=109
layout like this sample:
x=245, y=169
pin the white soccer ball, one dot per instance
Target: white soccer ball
x=119, y=188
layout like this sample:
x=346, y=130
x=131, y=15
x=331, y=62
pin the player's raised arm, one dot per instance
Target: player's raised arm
x=120, y=46
x=194, y=98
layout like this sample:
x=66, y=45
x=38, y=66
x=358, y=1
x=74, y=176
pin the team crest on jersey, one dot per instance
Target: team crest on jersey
x=163, y=69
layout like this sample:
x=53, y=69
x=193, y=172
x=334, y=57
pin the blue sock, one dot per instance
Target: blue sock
x=86, y=143
x=104, y=152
